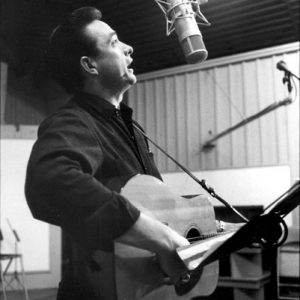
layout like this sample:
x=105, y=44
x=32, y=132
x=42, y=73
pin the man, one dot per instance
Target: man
x=83, y=147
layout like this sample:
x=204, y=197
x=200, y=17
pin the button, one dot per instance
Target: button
x=117, y=112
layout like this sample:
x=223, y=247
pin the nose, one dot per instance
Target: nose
x=128, y=50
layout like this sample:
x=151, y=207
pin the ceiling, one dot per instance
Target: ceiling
x=236, y=26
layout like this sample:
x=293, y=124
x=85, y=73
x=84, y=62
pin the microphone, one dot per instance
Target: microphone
x=181, y=16
x=281, y=65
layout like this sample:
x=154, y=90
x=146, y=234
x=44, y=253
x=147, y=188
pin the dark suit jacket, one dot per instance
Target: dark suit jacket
x=83, y=155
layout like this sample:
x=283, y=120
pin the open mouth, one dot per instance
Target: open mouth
x=128, y=66
x=129, y=69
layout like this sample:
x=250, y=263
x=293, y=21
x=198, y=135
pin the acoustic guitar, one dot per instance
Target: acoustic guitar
x=137, y=273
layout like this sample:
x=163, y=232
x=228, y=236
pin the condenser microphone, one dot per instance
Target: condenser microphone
x=281, y=65
x=181, y=16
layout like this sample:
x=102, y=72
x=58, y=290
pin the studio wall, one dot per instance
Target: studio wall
x=180, y=108
x=183, y=108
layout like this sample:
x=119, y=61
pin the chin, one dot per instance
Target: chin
x=131, y=79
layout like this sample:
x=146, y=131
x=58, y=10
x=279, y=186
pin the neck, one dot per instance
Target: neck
x=113, y=97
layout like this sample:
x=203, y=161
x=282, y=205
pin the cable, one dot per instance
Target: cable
x=202, y=183
x=226, y=95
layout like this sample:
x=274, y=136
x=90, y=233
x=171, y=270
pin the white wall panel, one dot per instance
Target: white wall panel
x=223, y=115
x=193, y=124
x=266, y=96
x=236, y=93
x=186, y=106
x=40, y=243
x=207, y=117
x=170, y=121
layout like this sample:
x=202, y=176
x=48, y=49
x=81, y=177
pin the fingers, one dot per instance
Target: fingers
x=173, y=267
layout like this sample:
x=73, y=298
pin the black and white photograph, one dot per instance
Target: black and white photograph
x=149, y=150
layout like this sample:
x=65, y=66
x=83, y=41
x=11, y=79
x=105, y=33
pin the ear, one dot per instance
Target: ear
x=88, y=65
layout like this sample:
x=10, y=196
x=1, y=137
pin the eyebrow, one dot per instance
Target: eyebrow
x=113, y=33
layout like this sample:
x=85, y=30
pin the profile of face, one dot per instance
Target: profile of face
x=112, y=66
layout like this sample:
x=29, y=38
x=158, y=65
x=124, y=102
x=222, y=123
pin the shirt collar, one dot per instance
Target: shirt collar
x=101, y=106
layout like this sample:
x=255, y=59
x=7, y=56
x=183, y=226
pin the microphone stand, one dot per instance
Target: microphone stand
x=288, y=100
x=202, y=182
x=289, y=74
x=281, y=66
x=268, y=230
x=17, y=255
x=287, y=80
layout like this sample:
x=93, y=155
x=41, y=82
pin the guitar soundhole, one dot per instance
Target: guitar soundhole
x=193, y=235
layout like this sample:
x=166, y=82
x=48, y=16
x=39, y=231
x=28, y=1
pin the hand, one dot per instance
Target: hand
x=169, y=261
x=150, y=234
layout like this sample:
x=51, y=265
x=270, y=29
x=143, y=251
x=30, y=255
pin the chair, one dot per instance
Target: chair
x=7, y=279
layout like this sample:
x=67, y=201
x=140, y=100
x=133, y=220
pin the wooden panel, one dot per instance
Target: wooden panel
x=180, y=118
x=253, y=155
x=160, y=124
x=149, y=114
x=238, y=137
x=207, y=116
x=281, y=115
x=223, y=116
x=268, y=134
x=170, y=121
x=203, y=101
x=139, y=102
x=193, y=120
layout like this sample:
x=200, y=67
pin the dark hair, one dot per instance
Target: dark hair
x=67, y=44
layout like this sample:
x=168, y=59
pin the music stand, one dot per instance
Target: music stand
x=7, y=279
x=267, y=230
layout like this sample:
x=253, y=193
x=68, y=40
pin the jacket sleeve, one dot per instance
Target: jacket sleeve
x=61, y=187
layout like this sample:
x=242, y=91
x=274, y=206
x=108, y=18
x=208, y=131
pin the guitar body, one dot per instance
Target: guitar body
x=137, y=274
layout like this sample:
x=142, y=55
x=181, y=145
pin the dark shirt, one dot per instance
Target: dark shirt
x=84, y=154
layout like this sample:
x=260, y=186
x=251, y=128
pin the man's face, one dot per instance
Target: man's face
x=114, y=59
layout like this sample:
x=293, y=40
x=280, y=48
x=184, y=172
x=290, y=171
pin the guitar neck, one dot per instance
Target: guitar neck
x=195, y=254
x=202, y=237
